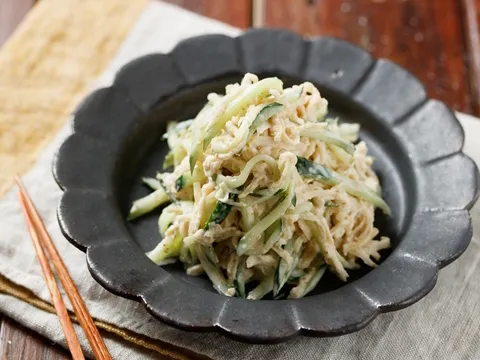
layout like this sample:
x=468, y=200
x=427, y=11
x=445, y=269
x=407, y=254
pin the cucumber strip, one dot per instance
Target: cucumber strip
x=330, y=204
x=179, y=154
x=272, y=235
x=234, y=182
x=258, y=200
x=185, y=256
x=252, y=200
x=340, y=153
x=249, y=239
x=165, y=220
x=292, y=281
x=224, y=144
x=167, y=261
x=266, y=113
x=309, y=169
x=363, y=192
x=167, y=134
x=174, y=131
x=148, y=203
x=195, y=270
x=182, y=125
x=152, y=183
x=329, y=252
x=244, y=134
x=183, y=181
x=240, y=277
x=211, y=255
x=305, y=207
x=346, y=264
x=188, y=179
x=196, y=149
x=348, y=131
x=268, y=193
x=308, y=282
x=219, y=212
x=329, y=137
x=165, y=188
x=262, y=289
x=284, y=270
x=240, y=104
x=213, y=272
x=248, y=220
x=296, y=274
x=188, y=255
x=292, y=94
x=167, y=248
x=332, y=122
x=280, y=296
x=168, y=162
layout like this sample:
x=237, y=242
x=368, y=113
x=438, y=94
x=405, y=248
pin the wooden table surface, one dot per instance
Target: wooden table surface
x=437, y=40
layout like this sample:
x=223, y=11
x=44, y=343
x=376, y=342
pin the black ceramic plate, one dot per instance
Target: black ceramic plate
x=417, y=142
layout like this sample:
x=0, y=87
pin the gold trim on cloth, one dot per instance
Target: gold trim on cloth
x=45, y=67
x=167, y=350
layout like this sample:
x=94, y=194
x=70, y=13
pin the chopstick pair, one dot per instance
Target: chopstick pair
x=41, y=241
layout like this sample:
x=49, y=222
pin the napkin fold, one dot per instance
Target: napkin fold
x=444, y=325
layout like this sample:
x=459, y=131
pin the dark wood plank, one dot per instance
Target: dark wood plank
x=426, y=37
x=471, y=11
x=16, y=342
x=11, y=13
x=236, y=13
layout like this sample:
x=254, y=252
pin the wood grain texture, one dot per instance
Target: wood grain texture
x=11, y=13
x=17, y=342
x=234, y=12
x=471, y=11
x=426, y=37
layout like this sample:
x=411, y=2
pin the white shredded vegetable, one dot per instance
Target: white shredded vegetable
x=267, y=193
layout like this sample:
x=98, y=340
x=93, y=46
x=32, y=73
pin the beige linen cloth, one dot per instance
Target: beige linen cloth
x=444, y=325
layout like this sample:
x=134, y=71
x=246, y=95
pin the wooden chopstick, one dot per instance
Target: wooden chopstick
x=86, y=322
x=70, y=335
